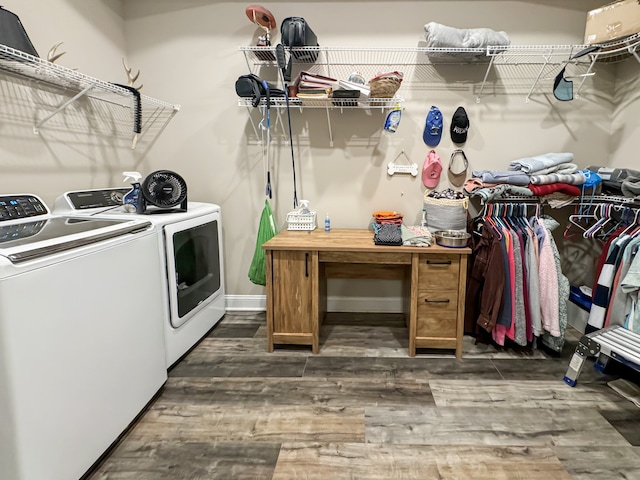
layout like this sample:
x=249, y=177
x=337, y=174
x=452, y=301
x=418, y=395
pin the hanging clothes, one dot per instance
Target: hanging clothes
x=556, y=342
x=528, y=299
x=486, y=280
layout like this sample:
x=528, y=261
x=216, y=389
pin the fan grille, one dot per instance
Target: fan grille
x=164, y=189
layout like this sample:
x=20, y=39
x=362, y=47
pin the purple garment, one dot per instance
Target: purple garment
x=502, y=176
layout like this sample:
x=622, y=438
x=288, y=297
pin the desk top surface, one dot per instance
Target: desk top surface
x=346, y=239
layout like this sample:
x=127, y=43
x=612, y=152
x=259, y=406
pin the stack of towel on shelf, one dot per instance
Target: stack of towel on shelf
x=552, y=176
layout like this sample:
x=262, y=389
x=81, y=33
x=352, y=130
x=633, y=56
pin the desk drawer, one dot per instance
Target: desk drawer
x=437, y=314
x=387, y=258
x=438, y=271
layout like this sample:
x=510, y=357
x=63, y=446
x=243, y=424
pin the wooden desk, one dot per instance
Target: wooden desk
x=299, y=262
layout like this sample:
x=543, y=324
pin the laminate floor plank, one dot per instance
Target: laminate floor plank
x=191, y=460
x=294, y=391
x=546, y=369
x=495, y=425
x=600, y=463
x=198, y=365
x=549, y=394
x=273, y=423
x=344, y=461
x=626, y=420
x=234, y=330
x=421, y=368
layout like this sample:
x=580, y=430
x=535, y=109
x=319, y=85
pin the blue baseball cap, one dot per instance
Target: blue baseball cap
x=433, y=127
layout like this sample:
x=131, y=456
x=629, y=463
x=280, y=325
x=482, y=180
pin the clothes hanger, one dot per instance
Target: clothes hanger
x=605, y=211
x=633, y=227
x=489, y=218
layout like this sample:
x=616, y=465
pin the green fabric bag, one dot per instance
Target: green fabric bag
x=266, y=231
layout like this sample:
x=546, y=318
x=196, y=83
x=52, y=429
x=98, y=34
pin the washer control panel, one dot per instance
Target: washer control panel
x=14, y=207
x=108, y=197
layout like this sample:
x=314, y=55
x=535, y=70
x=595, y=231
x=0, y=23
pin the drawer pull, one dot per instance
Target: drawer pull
x=445, y=300
x=438, y=262
x=306, y=264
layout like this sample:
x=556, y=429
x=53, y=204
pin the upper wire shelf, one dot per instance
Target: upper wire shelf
x=512, y=54
x=83, y=101
x=522, y=68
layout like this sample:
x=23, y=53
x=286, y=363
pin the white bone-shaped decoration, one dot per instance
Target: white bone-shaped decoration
x=395, y=168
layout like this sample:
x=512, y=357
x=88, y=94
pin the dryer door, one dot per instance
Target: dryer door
x=193, y=265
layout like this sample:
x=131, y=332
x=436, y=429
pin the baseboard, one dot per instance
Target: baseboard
x=334, y=304
x=246, y=303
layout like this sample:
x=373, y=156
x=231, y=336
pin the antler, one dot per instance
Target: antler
x=52, y=56
x=132, y=78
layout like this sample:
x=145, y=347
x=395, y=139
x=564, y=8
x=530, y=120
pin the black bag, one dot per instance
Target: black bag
x=251, y=86
x=13, y=34
x=296, y=32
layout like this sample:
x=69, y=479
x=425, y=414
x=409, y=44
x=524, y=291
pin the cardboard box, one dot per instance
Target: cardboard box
x=612, y=21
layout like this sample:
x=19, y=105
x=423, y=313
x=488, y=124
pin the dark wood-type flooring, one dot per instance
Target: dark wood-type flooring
x=362, y=409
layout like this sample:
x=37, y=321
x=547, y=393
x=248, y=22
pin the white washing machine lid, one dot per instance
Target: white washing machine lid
x=29, y=231
x=29, y=239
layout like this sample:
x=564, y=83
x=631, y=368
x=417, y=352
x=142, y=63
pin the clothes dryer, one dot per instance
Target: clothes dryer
x=189, y=251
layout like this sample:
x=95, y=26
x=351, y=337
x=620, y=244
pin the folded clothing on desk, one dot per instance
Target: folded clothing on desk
x=416, y=236
x=387, y=234
x=388, y=216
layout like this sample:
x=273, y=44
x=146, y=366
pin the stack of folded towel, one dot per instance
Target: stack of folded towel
x=551, y=175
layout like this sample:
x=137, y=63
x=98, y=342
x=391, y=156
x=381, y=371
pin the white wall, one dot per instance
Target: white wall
x=187, y=52
x=625, y=127
x=50, y=163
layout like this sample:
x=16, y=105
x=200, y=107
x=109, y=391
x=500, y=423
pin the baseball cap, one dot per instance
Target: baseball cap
x=562, y=88
x=431, y=170
x=459, y=126
x=433, y=127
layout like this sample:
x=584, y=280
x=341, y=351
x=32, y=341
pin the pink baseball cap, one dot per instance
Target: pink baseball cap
x=431, y=170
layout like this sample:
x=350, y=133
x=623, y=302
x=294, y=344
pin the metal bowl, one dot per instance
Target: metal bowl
x=452, y=238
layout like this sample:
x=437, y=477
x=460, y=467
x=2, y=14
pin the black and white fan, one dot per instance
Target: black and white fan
x=164, y=191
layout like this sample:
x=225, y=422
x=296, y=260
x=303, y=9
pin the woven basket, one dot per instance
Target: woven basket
x=384, y=87
x=445, y=213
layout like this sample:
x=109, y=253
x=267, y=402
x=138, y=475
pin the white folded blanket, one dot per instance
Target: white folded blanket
x=577, y=178
x=563, y=168
x=538, y=162
x=442, y=36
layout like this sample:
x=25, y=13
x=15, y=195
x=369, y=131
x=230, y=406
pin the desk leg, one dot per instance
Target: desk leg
x=318, y=300
x=413, y=304
x=269, y=292
x=462, y=291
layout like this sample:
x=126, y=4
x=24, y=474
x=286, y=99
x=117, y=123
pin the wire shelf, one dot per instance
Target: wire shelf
x=280, y=102
x=67, y=99
x=526, y=69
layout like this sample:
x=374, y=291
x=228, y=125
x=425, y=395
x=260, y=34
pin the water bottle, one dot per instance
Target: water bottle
x=327, y=224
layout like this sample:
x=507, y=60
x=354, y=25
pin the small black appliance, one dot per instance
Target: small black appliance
x=163, y=191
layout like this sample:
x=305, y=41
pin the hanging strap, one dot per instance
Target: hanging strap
x=293, y=158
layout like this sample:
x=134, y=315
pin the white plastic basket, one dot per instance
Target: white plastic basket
x=301, y=221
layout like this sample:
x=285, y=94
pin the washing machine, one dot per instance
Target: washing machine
x=81, y=348
x=189, y=252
